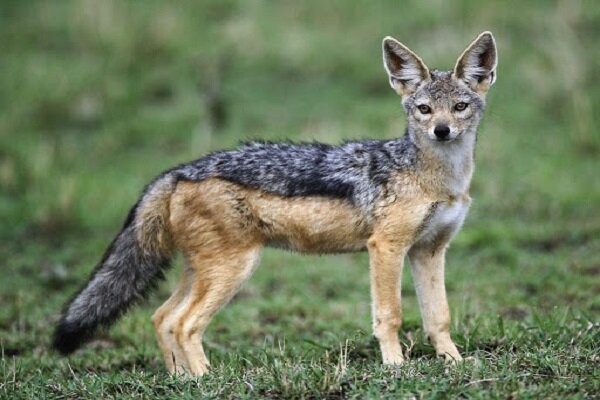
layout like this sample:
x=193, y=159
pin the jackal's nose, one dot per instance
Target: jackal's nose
x=441, y=131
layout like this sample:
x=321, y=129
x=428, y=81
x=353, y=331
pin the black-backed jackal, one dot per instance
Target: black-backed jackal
x=394, y=198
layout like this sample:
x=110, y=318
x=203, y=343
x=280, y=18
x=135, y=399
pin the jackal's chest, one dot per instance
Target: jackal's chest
x=443, y=220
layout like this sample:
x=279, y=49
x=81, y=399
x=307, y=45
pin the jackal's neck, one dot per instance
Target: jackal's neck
x=447, y=167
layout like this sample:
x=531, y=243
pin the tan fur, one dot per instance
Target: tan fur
x=427, y=267
x=220, y=227
x=152, y=221
x=392, y=237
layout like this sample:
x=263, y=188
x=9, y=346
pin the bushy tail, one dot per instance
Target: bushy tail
x=132, y=264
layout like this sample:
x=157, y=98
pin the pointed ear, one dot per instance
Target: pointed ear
x=477, y=64
x=405, y=69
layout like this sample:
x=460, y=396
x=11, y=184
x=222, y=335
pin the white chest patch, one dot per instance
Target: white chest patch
x=444, y=219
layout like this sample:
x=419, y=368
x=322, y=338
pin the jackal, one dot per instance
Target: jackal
x=392, y=198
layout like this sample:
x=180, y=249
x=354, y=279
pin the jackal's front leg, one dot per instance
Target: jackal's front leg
x=427, y=267
x=386, y=260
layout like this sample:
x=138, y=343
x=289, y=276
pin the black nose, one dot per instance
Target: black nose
x=441, y=131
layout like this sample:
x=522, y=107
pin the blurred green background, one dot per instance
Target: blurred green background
x=98, y=97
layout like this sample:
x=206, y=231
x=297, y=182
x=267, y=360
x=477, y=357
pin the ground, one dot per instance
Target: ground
x=96, y=98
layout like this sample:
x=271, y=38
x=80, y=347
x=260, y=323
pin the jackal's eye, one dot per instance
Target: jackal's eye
x=424, y=109
x=461, y=106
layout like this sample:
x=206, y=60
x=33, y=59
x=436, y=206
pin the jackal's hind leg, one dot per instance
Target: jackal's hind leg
x=163, y=322
x=217, y=279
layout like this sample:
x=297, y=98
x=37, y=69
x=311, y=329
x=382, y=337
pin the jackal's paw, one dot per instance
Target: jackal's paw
x=190, y=372
x=451, y=355
x=453, y=359
x=447, y=349
x=393, y=357
x=199, y=372
x=199, y=369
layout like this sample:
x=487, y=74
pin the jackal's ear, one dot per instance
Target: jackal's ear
x=405, y=69
x=477, y=64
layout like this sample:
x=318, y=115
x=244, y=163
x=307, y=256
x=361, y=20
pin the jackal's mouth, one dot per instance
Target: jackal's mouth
x=446, y=139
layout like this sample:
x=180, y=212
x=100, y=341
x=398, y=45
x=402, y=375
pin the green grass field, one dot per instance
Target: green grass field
x=98, y=97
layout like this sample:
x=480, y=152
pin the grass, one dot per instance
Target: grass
x=96, y=98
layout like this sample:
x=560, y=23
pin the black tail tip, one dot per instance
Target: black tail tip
x=68, y=337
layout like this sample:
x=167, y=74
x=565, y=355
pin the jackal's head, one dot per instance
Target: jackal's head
x=442, y=106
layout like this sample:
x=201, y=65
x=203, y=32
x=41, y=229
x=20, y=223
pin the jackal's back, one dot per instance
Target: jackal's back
x=354, y=171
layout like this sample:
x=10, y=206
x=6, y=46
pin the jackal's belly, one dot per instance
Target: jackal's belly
x=310, y=224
